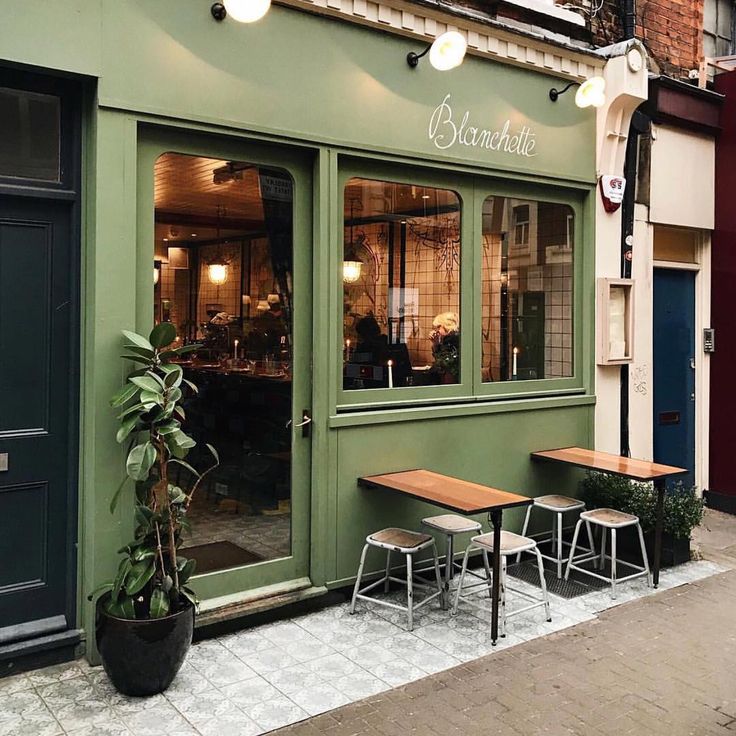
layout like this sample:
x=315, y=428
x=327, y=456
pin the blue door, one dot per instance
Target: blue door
x=674, y=370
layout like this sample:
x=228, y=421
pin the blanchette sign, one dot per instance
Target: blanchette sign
x=445, y=131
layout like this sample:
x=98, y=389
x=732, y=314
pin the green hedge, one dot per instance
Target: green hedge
x=683, y=508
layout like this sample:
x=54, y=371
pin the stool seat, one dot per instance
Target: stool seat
x=559, y=503
x=401, y=540
x=511, y=543
x=451, y=523
x=609, y=518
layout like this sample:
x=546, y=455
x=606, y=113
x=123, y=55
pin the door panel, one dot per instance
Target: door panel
x=674, y=373
x=36, y=347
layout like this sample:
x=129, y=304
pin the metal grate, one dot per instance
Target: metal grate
x=577, y=585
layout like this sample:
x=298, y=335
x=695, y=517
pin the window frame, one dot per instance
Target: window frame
x=472, y=190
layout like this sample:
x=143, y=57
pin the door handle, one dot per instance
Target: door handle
x=692, y=363
x=304, y=424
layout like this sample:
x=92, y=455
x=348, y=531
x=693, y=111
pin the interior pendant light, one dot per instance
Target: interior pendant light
x=445, y=53
x=243, y=11
x=155, y=276
x=217, y=273
x=351, y=265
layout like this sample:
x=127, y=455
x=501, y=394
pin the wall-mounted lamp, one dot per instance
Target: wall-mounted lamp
x=591, y=92
x=445, y=53
x=244, y=11
x=217, y=273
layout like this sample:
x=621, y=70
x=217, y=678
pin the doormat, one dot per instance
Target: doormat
x=219, y=556
x=578, y=584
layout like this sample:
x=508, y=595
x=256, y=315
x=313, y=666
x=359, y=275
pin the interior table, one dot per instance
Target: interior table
x=641, y=470
x=462, y=497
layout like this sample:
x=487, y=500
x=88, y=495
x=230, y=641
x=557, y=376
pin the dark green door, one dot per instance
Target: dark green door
x=39, y=376
x=36, y=346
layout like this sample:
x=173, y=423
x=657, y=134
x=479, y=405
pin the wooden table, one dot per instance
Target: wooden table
x=640, y=470
x=460, y=496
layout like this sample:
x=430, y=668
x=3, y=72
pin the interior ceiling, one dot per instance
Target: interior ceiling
x=365, y=198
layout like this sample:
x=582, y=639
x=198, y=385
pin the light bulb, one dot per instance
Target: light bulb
x=592, y=92
x=217, y=273
x=155, y=275
x=448, y=51
x=247, y=11
x=351, y=271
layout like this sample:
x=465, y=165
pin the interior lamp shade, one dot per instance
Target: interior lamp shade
x=592, y=92
x=247, y=11
x=217, y=273
x=448, y=51
x=351, y=271
x=155, y=276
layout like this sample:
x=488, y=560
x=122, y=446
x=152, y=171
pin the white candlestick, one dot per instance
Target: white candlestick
x=513, y=371
x=235, y=350
x=390, y=374
x=347, y=350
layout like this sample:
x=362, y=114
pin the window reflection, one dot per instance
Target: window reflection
x=401, y=285
x=527, y=290
x=223, y=277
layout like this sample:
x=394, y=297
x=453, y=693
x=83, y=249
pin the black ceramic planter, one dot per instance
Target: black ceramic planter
x=143, y=657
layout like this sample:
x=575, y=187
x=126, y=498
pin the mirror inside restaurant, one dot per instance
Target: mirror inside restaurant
x=401, y=285
x=223, y=277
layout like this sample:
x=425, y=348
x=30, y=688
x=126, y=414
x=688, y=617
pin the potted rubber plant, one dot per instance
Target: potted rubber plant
x=146, y=615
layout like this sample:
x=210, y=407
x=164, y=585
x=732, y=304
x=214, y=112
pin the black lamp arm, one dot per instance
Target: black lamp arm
x=555, y=93
x=412, y=58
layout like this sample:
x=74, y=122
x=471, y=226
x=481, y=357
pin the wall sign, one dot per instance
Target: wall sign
x=447, y=129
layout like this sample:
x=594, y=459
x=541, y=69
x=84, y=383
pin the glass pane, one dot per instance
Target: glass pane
x=527, y=289
x=30, y=140
x=222, y=275
x=401, y=285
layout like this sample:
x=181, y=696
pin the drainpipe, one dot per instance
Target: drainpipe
x=629, y=19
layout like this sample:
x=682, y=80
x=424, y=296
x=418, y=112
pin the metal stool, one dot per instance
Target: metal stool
x=406, y=543
x=613, y=520
x=450, y=525
x=558, y=505
x=511, y=544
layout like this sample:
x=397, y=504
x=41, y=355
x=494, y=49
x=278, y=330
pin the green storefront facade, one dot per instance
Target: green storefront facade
x=325, y=101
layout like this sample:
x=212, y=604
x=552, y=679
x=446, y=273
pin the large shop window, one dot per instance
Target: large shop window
x=527, y=290
x=401, y=285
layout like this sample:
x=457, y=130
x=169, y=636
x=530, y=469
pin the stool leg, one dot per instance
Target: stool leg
x=559, y=546
x=449, y=560
x=590, y=537
x=613, y=563
x=572, y=548
x=644, y=555
x=543, y=583
x=387, y=584
x=462, y=580
x=524, y=528
x=503, y=596
x=602, y=558
x=358, y=579
x=489, y=576
x=444, y=594
x=410, y=590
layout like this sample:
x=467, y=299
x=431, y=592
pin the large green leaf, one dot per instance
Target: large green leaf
x=119, y=582
x=140, y=460
x=136, y=359
x=214, y=452
x=190, y=595
x=185, y=465
x=138, y=576
x=168, y=427
x=191, y=385
x=183, y=440
x=139, y=408
x=138, y=340
x=187, y=571
x=124, y=608
x=126, y=393
x=174, y=378
x=162, y=334
x=116, y=495
x=151, y=397
x=174, y=396
x=126, y=428
x=159, y=604
x=147, y=383
x=142, y=352
x=99, y=589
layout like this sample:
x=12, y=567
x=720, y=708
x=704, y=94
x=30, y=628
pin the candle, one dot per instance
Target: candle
x=390, y=374
x=513, y=371
x=347, y=350
x=235, y=350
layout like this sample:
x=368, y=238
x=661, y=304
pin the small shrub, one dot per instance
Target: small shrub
x=683, y=508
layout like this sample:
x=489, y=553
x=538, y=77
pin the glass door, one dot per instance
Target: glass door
x=231, y=271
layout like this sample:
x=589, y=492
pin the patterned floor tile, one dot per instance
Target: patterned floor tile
x=291, y=679
x=369, y=654
x=250, y=693
x=57, y=673
x=14, y=684
x=332, y=666
x=102, y=729
x=360, y=684
x=277, y=712
x=20, y=705
x=31, y=724
x=234, y=723
x=163, y=720
x=269, y=660
x=397, y=672
x=316, y=699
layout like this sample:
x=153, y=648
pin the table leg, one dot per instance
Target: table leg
x=496, y=587
x=659, y=486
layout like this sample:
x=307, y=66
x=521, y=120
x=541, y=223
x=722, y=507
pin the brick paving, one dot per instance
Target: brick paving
x=665, y=664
